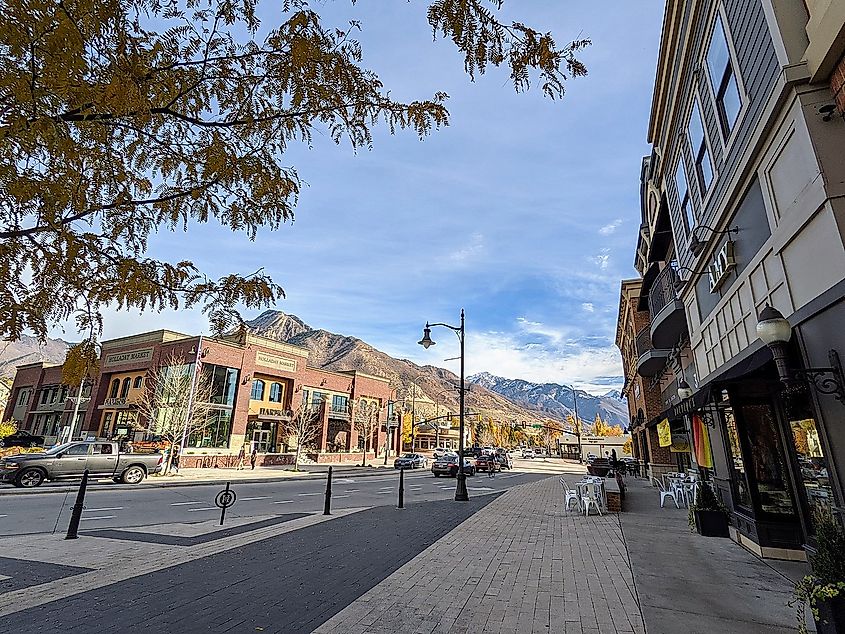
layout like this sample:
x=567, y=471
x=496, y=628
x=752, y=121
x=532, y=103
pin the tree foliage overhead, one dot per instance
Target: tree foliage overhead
x=123, y=118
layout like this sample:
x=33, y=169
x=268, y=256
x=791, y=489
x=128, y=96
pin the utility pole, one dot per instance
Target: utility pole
x=76, y=403
x=191, y=397
x=413, y=417
x=577, y=425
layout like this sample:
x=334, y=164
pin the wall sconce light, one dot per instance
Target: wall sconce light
x=684, y=390
x=774, y=330
x=247, y=379
x=828, y=111
x=695, y=243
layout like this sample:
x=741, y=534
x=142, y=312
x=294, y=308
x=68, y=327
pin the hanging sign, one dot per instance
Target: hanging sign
x=664, y=434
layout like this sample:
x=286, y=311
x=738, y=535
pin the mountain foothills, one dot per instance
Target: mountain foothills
x=502, y=399
x=30, y=350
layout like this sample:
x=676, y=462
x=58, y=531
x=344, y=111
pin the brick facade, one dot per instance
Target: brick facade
x=128, y=360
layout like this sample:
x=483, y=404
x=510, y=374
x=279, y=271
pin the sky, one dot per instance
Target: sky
x=523, y=211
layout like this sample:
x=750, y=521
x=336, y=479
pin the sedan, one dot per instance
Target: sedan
x=410, y=461
x=22, y=439
x=448, y=465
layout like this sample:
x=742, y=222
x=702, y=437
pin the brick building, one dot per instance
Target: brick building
x=257, y=385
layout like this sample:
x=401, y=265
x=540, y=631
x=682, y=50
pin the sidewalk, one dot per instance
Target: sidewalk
x=523, y=564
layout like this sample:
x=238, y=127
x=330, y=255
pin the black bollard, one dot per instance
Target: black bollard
x=327, y=509
x=402, y=488
x=225, y=504
x=76, y=513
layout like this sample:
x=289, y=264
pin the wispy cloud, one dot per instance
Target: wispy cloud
x=588, y=306
x=602, y=259
x=611, y=227
x=472, y=249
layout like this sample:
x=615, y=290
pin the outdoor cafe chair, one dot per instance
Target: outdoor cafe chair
x=665, y=493
x=591, y=497
x=571, y=495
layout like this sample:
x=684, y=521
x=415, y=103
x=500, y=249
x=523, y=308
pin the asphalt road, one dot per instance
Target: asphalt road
x=127, y=506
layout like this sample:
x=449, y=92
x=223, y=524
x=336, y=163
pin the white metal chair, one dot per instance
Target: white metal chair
x=591, y=497
x=665, y=493
x=571, y=495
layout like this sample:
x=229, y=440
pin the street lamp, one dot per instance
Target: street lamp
x=684, y=390
x=461, y=494
x=774, y=330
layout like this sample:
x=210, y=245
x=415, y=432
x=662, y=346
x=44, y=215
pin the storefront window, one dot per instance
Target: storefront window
x=809, y=452
x=216, y=432
x=741, y=497
x=767, y=465
x=223, y=383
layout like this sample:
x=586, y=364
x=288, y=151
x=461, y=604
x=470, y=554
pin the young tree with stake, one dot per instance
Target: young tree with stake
x=306, y=426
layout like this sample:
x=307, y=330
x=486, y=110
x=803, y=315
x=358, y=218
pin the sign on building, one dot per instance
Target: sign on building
x=131, y=356
x=274, y=361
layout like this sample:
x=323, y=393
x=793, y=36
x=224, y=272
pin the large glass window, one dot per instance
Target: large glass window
x=215, y=433
x=340, y=403
x=115, y=387
x=275, y=393
x=809, y=452
x=223, y=383
x=741, y=496
x=766, y=459
x=124, y=391
x=723, y=79
x=257, y=393
x=703, y=165
x=684, y=199
x=317, y=399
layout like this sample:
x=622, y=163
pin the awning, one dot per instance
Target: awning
x=753, y=361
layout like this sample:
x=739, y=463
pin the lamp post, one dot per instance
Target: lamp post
x=461, y=494
x=774, y=330
x=577, y=424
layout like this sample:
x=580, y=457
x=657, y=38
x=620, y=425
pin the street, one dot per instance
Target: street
x=124, y=506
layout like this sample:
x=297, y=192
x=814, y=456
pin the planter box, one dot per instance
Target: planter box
x=831, y=616
x=711, y=523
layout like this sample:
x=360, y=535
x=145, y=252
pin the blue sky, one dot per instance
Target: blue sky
x=524, y=211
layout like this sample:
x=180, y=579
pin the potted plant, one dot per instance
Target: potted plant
x=708, y=513
x=824, y=589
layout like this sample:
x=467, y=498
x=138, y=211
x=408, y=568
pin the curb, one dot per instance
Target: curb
x=164, y=485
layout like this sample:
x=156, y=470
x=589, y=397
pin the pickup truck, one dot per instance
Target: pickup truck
x=68, y=461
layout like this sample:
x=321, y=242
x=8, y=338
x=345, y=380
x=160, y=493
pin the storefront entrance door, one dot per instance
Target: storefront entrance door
x=261, y=440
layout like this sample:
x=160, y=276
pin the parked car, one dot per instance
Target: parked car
x=439, y=452
x=68, y=461
x=448, y=465
x=410, y=461
x=527, y=453
x=22, y=439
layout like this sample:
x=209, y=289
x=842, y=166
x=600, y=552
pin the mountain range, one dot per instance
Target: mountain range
x=29, y=350
x=504, y=399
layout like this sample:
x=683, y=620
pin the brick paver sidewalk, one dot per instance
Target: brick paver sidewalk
x=521, y=564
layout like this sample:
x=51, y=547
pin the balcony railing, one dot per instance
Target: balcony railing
x=644, y=341
x=662, y=291
x=339, y=412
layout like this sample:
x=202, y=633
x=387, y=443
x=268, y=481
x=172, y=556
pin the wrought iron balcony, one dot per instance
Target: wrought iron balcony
x=650, y=360
x=668, y=319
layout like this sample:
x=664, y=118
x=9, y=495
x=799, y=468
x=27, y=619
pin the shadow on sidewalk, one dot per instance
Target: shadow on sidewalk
x=691, y=583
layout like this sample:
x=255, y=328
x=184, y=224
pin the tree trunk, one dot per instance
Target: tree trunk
x=169, y=459
x=296, y=459
x=364, y=459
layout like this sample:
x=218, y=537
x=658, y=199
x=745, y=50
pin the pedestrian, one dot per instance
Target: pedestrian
x=242, y=457
x=174, y=461
x=253, y=456
x=491, y=467
x=613, y=459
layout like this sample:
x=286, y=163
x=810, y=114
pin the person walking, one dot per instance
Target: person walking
x=242, y=457
x=253, y=457
x=174, y=461
x=491, y=469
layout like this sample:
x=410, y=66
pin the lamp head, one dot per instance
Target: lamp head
x=695, y=245
x=772, y=327
x=684, y=390
x=426, y=341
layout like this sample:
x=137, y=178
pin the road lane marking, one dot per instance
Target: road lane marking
x=305, y=494
x=385, y=492
x=184, y=503
x=4, y=516
x=210, y=508
x=107, y=508
x=102, y=517
x=345, y=481
x=337, y=497
x=352, y=490
x=284, y=502
x=259, y=497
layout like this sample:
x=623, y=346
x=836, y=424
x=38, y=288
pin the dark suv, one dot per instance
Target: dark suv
x=22, y=439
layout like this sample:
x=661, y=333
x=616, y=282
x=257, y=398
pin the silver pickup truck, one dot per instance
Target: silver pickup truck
x=68, y=461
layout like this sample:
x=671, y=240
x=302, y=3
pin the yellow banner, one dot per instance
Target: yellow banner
x=664, y=434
